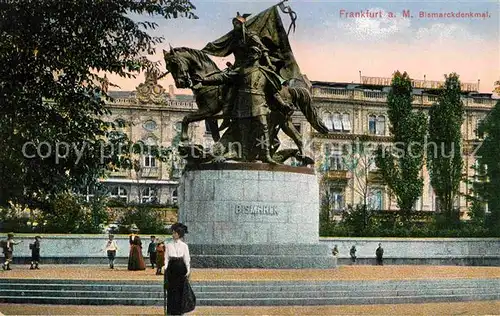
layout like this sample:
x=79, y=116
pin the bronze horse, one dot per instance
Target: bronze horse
x=186, y=63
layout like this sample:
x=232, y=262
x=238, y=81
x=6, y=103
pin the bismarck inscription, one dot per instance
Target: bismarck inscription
x=256, y=209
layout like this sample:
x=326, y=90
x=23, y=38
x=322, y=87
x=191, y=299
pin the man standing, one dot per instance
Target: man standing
x=152, y=251
x=8, y=250
x=379, y=253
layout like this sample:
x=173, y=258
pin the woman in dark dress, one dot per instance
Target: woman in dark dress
x=135, y=258
x=177, y=270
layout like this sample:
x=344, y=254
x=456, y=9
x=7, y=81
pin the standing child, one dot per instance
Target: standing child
x=8, y=250
x=352, y=252
x=335, y=253
x=160, y=256
x=152, y=251
x=111, y=248
x=35, y=253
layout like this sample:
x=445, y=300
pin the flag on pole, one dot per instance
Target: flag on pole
x=269, y=27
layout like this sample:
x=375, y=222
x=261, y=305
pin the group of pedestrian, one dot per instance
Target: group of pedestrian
x=379, y=255
x=156, y=251
x=173, y=258
x=7, y=246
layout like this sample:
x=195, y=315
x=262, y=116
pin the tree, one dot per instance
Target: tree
x=401, y=163
x=487, y=155
x=359, y=160
x=445, y=161
x=52, y=97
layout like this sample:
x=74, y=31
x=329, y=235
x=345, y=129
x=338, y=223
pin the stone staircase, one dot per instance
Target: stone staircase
x=254, y=293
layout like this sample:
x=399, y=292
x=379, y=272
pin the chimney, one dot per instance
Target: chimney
x=171, y=91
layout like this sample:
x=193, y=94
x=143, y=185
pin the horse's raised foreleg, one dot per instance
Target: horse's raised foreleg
x=197, y=116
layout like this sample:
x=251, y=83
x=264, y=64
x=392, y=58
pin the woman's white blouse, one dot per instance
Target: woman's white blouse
x=111, y=245
x=178, y=249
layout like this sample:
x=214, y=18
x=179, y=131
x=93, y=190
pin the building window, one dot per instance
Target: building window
x=346, y=122
x=119, y=193
x=479, y=134
x=148, y=195
x=333, y=158
x=149, y=161
x=337, y=122
x=376, y=125
x=150, y=125
x=336, y=201
x=327, y=119
x=335, y=161
x=375, y=199
x=174, y=197
x=87, y=192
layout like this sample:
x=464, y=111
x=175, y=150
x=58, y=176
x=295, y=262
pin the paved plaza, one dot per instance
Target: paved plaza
x=361, y=272
x=461, y=308
x=346, y=273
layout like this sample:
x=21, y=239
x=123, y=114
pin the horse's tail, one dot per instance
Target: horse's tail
x=302, y=98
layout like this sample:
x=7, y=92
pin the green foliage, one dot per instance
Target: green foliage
x=69, y=213
x=401, y=163
x=488, y=188
x=147, y=219
x=359, y=219
x=52, y=55
x=445, y=161
x=324, y=216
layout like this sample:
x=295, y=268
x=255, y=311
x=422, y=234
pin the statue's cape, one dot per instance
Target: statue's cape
x=269, y=27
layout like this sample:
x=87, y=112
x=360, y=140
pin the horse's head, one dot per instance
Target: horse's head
x=178, y=65
x=183, y=63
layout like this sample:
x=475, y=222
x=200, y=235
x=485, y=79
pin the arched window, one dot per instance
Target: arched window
x=119, y=193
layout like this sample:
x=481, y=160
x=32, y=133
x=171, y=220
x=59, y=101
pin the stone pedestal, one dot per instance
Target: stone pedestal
x=252, y=215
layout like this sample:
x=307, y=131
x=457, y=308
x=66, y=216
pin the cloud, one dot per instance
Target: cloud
x=374, y=28
x=441, y=32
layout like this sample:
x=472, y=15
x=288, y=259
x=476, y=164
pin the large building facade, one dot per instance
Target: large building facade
x=356, y=115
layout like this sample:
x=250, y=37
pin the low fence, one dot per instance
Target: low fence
x=454, y=251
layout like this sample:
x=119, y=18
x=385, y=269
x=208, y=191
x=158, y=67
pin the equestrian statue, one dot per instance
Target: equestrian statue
x=253, y=96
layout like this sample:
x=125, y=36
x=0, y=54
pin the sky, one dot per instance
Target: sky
x=330, y=44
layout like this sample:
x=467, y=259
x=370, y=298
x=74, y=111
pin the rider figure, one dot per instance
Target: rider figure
x=240, y=43
x=252, y=83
